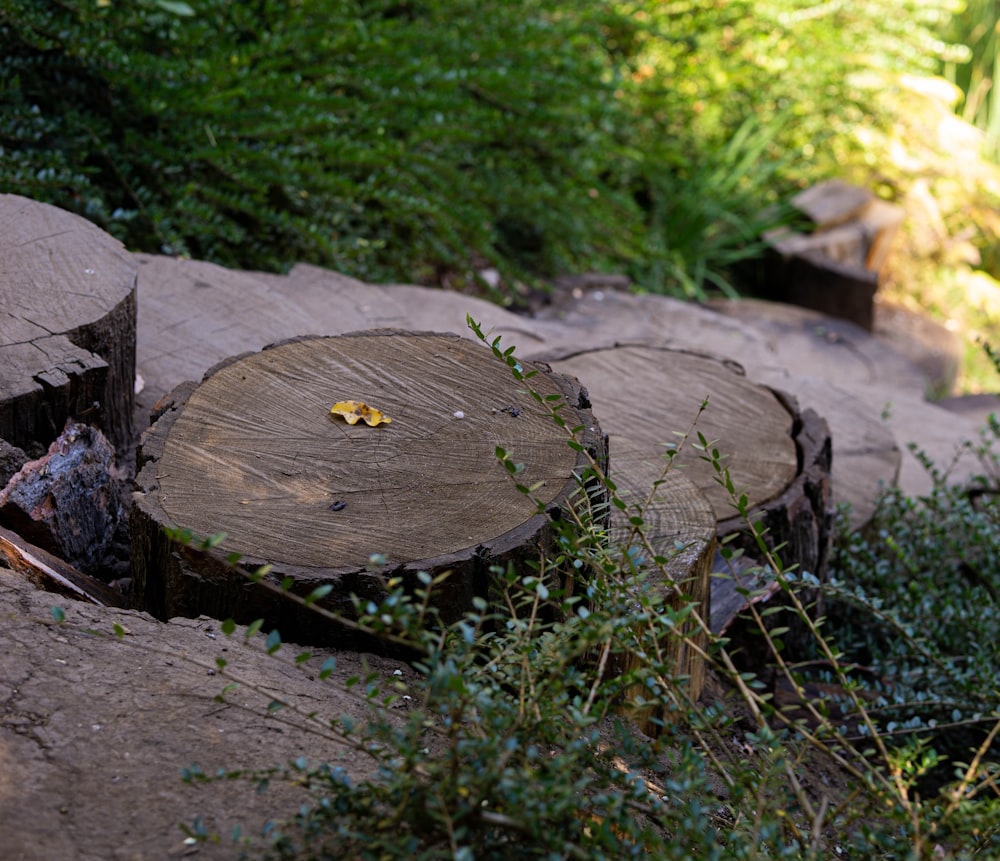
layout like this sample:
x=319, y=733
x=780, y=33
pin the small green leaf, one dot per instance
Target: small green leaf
x=273, y=641
x=119, y=631
x=213, y=540
x=319, y=592
x=253, y=628
x=329, y=665
x=228, y=626
x=58, y=614
x=175, y=7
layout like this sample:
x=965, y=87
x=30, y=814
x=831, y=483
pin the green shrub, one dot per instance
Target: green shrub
x=420, y=140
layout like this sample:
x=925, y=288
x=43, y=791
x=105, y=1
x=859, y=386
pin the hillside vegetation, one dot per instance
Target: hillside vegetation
x=423, y=140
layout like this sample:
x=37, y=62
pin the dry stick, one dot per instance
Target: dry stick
x=959, y=791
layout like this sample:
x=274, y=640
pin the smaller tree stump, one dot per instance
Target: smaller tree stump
x=646, y=396
x=678, y=525
x=67, y=334
x=254, y=452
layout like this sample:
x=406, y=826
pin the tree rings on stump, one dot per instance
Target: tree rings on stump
x=67, y=340
x=647, y=397
x=253, y=451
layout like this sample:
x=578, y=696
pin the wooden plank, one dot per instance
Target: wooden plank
x=51, y=574
x=830, y=203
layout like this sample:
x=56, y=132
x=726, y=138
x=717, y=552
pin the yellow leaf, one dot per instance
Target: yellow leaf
x=352, y=411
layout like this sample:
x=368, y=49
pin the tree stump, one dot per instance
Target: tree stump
x=679, y=526
x=253, y=451
x=646, y=398
x=67, y=336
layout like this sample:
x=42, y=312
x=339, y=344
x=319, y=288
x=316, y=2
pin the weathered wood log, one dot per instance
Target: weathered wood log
x=67, y=339
x=647, y=396
x=254, y=452
x=52, y=574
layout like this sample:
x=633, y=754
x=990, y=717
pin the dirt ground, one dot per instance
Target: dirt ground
x=96, y=729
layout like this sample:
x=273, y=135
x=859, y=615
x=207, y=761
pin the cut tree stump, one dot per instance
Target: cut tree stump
x=67, y=334
x=253, y=451
x=646, y=398
x=678, y=525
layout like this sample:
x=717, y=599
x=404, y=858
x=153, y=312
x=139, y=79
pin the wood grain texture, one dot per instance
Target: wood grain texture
x=254, y=452
x=645, y=395
x=68, y=326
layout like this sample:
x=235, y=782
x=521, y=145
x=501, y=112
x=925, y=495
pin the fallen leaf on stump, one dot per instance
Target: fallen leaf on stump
x=352, y=411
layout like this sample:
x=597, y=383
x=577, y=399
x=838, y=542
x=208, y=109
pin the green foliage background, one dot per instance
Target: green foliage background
x=416, y=139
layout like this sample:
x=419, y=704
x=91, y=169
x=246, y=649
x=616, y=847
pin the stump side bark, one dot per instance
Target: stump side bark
x=253, y=451
x=67, y=335
x=678, y=525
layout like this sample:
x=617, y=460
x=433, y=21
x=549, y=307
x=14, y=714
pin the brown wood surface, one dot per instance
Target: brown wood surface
x=67, y=331
x=678, y=525
x=254, y=452
x=646, y=397
x=52, y=574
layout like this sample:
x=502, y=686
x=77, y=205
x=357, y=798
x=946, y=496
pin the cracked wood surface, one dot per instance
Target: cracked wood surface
x=67, y=326
x=254, y=453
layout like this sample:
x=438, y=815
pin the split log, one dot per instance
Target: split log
x=254, y=452
x=67, y=344
x=647, y=396
x=52, y=574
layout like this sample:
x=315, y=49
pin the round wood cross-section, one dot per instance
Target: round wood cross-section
x=67, y=326
x=253, y=451
x=646, y=397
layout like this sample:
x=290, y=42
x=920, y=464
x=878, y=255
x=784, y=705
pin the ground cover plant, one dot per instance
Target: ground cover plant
x=516, y=739
x=433, y=141
x=419, y=140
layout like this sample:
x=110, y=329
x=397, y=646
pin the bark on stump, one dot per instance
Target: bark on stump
x=67, y=334
x=678, y=526
x=253, y=451
x=646, y=396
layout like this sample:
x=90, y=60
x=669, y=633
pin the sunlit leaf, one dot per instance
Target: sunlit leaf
x=354, y=411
